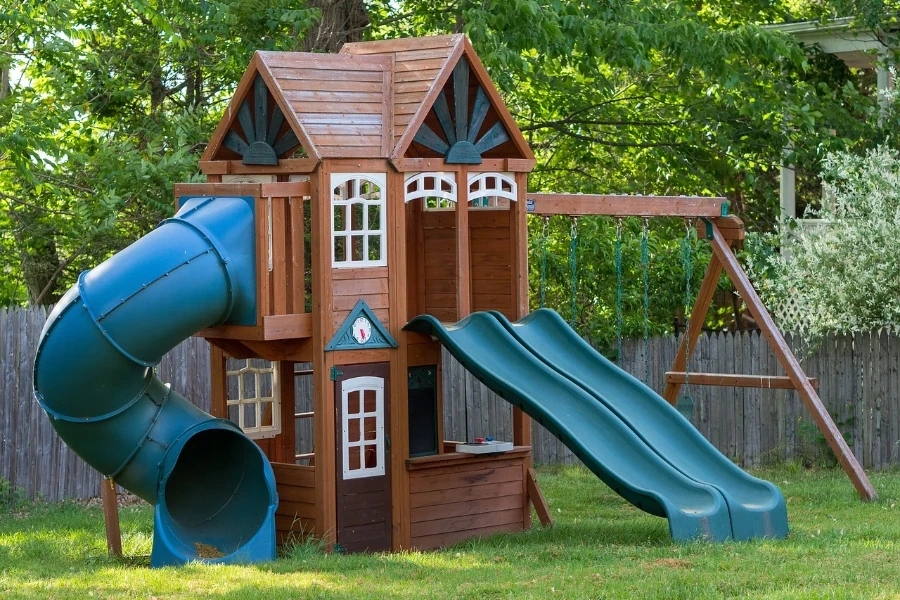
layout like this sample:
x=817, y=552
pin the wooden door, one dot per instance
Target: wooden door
x=362, y=422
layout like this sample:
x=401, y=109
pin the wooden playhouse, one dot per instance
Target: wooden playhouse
x=389, y=181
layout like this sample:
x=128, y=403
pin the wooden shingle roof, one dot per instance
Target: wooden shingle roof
x=368, y=101
x=418, y=64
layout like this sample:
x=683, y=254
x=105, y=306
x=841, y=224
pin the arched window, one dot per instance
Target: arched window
x=358, y=220
x=437, y=190
x=491, y=190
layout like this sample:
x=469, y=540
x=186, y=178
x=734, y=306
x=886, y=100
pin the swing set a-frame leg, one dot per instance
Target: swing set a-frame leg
x=695, y=326
x=727, y=259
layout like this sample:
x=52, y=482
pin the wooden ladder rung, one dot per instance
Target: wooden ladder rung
x=775, y=382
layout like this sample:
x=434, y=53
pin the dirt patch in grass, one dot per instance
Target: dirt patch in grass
x=672, y=563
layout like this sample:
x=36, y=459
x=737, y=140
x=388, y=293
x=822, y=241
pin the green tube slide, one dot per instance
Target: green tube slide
x=603, y=442
x=212, y=487
x=756, y=507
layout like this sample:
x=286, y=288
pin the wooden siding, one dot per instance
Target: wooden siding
x=440, y=264
x=454, y=497
x=491, y=261
x=352, y=285
x=295, y=517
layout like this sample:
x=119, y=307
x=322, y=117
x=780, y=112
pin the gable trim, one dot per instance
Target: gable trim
x=379, y=338
x=462, y=49
x=257, y=66
x=430, y=98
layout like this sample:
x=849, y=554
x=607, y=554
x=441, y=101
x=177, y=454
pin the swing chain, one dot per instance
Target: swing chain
x=686, y=260
x=619, y=318
x=545, y=232
x=645, y=268
x=573, y=265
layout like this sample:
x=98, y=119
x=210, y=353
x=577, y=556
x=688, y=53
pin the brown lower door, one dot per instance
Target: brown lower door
x=362, y=399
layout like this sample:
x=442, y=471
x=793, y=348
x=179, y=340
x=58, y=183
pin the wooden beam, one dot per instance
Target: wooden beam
x=732, y=228
x=627, y=206
x=537, y=499
x=111, y=517
x=774, y=382
x=290, y=166
x=287, y=327
x=698, y=315
x=792, y=367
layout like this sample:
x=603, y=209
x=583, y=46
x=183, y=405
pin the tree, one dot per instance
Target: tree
x=117, y=100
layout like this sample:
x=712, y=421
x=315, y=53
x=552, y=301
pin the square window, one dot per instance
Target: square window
x=357, y=211
x=375, y=247
x=353, y=456
x=252, y=396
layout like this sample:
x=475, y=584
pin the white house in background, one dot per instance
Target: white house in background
x=857, y=48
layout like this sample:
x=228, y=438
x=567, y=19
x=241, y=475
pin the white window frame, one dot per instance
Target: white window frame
x=361, y=385
x=244, y=398
x=428, y=186
x=490, y=185
x=380, y=180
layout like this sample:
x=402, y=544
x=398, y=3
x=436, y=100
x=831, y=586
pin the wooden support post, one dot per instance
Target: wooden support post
x=463, y=255
x=518, y=219
x=399, y=404
x=792, y=367
x=537, y=499
x=698, y=315
x=111, y=517
x=323, y=387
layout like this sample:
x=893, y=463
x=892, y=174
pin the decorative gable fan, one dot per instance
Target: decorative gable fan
x=461, y=144
x=261, y=130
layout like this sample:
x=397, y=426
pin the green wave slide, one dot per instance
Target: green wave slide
x=625, y=433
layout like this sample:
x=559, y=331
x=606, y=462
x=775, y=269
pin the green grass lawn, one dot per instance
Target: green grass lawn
x=600, y=547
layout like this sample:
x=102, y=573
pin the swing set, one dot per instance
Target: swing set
x=709, y=218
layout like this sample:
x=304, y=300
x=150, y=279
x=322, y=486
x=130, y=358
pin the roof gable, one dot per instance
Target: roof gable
x=336, y=105
x=386, y=99
x=427, y=73
x=258, y=127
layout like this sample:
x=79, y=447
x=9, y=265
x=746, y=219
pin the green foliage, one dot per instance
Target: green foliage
x=842, y=276
x=596, y=276
x=112, y=103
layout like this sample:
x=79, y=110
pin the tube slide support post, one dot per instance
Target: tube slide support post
x=792, y=368
x=111, y=517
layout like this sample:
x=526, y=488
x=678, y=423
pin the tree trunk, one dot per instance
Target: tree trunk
x=4, y=82
x=342, y=21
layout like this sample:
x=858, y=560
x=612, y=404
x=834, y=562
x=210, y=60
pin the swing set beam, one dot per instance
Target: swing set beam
x=722, y=231
x=626, y=206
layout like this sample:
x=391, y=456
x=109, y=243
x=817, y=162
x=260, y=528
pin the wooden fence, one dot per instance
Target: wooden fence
x=858, y=379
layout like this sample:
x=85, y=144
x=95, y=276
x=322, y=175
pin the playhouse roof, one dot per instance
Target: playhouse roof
x=368, y=101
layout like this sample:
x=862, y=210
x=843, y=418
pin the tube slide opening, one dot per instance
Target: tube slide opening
x=217, y=493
